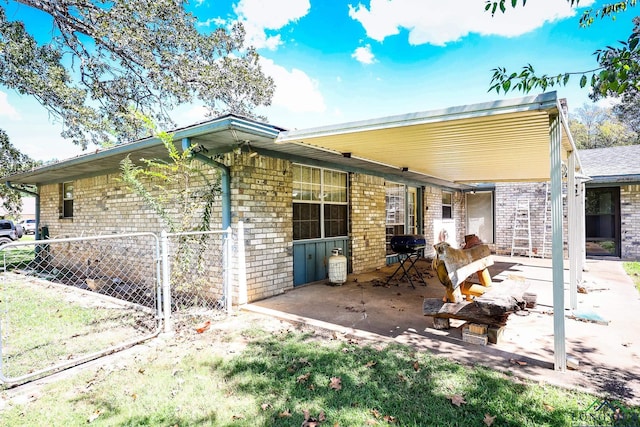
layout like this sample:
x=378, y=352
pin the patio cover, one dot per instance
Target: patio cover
x=506, y=140
x=525, y=139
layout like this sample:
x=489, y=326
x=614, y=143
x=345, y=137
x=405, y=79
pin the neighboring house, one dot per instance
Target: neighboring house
x=613, y=201
x=302, y=193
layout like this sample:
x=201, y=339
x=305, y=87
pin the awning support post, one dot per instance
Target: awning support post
x=557, y=250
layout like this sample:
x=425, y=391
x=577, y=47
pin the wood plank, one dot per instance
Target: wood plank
x=465, y=310
x=493, y=307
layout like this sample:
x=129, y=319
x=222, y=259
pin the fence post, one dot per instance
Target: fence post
x=241, y=265
x=166, y=283
x=228, y=247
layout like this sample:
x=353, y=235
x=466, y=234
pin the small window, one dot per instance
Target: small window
x=447, y=205
x=67, y=200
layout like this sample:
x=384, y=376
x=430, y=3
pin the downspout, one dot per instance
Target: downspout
x=225, y=181
x=37, y=197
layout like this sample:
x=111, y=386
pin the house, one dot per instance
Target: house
x=301, y=193
x=613, y=201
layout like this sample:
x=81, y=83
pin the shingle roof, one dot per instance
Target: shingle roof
x=620, y=163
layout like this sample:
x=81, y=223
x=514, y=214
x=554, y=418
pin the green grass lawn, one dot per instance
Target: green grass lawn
x=633, y=270
x=264, y=376
x=41, y=326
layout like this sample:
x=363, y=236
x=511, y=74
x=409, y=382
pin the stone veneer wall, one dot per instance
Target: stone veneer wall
x=506, y=197
x=630, y=221
x=367, y=217
x=261, y=197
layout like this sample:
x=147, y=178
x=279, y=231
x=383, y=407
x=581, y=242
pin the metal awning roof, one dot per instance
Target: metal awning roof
x=489, y=142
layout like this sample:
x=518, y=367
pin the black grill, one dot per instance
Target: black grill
x=408, y=243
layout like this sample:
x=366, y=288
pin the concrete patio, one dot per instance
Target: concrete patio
x=608, y=355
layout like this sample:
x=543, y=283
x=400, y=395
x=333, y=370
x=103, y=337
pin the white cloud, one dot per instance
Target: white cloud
x=6, y=109
x=295, y=90
x=364, y=55
x=218, y=22
x=258, y=16
x=438, y=22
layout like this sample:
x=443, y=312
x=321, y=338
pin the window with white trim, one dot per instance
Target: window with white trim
x=447, y=205
x=401, y=211
x=320, y=204
x=67, y=199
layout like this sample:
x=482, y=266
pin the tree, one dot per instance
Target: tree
x=596, y=127
x=618, y=70
x=11, y=161
x=109, y=63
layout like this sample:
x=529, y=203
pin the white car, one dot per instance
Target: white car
x=29, y=226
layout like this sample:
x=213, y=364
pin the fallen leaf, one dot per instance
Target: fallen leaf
x=203, y=327
x=322, y=417
x=265, y=406
x=375, y=413
x=303, y=378
x=237, y=417
x=548, y=407
x=370, y=364
x=134, y=396
x=285, y=414
x=94, y=416
x=390, y=419
x=336, y=383
x=416, y=366
x=488, y=420
x=457, y=400
x=518, y=362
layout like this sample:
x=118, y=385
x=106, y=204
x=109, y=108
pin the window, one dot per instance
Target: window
x=67, y=200
x=447, y=205
x=319, y=203
x=401, y=211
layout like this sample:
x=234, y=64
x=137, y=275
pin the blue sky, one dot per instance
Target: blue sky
x=340, y=60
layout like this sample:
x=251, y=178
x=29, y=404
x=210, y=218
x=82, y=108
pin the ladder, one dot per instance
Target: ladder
x=521, y=242
x=546, y=231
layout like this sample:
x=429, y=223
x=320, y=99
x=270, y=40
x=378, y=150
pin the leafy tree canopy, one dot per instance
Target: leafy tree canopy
x=593, y=126
x=618, y=70
x=107, y=60
x=11, y=161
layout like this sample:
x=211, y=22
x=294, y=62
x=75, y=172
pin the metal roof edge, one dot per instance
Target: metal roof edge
x=218, y=124
x=542, y=102
x=615, y=179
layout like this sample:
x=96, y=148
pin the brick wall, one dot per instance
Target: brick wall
x=630, y=221
x=433, y=214
x=367, y=215
x=261, y=197
x=506, y=197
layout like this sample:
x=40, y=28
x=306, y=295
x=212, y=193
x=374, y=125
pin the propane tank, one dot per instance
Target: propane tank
x=337, y=267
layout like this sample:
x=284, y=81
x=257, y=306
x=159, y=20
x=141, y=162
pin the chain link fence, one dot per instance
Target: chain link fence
x=67, y=301
x=197, y=271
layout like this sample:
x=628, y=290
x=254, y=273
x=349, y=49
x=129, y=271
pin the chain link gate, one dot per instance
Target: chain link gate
x=68, y=301
x=196, y=274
